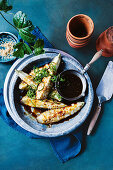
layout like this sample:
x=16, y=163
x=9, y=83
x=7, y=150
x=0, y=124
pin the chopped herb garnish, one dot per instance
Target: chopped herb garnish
x=33, y=86
x=31, y=92
x=37, y=80
x=55, y=95
x=40, y=74
x=62, y=79
x=54, y=78
x=35, y=69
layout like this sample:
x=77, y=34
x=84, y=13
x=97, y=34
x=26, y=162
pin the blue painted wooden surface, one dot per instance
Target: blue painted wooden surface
x=18, y=151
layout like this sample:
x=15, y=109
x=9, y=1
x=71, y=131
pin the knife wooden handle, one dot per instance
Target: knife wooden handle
x=94, y=119
x=95, y=57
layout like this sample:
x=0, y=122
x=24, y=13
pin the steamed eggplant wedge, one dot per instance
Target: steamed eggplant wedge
x=54, y=95
x=26, y=78
x=44, y=88
x=23, y=85
x=51, y=116
x=46, y=81
x=46, y=104
x=53, y=66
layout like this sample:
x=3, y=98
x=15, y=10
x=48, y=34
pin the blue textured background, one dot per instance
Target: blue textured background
x=17, y=151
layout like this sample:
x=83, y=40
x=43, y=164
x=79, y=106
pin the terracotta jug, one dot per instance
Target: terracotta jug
x=105, y=42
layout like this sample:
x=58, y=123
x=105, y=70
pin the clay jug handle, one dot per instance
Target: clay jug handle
x=95, y=57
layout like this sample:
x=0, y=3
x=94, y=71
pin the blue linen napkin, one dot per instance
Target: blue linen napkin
x=65, y=147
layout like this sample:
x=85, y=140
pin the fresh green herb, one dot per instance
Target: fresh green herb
x=39, y=43
x=35, y=68
x=55, y=95
x=54, y=78
x=62, y=79
x=21, y=49
x=24, y=28
x=39, y=74
x=38, y=47
x=34, y=86
x=4, y=6
x=27, y=49
x=39, y=51
x=37, y=80
x=31, y=93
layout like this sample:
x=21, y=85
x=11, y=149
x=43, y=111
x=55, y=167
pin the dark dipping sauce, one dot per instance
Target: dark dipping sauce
x=71, y=87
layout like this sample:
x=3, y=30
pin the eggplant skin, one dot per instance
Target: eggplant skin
x=46, y=104
x=52, y=116
x=45, y=91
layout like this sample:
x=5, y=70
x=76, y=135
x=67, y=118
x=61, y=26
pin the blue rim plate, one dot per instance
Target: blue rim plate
x=9, y=36
x=12, y=96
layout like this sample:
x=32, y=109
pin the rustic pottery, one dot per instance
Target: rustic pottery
x=79, y=30
x=105, y=42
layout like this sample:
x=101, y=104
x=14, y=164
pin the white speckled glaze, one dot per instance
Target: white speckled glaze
x=12, y=95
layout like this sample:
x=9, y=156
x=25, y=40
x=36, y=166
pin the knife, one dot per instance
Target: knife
x=104, y=92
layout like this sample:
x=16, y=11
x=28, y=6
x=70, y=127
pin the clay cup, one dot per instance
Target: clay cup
x=79, y=30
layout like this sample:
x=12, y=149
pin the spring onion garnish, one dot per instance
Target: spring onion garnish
x=40, y=74
x=31, y=92
x=55, y=95
x=54, y=78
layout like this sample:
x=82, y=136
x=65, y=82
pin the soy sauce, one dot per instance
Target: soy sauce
x=71, y=87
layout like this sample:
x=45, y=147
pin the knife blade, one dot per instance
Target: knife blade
x=104, y=92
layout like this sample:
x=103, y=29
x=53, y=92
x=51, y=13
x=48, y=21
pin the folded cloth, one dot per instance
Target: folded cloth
x=65, y=147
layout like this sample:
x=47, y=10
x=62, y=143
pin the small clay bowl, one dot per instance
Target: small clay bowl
x=79, y=30
x=105, y=42
x=7, y=37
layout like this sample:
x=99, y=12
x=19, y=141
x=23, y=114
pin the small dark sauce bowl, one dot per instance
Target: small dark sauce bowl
x=72, y=78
